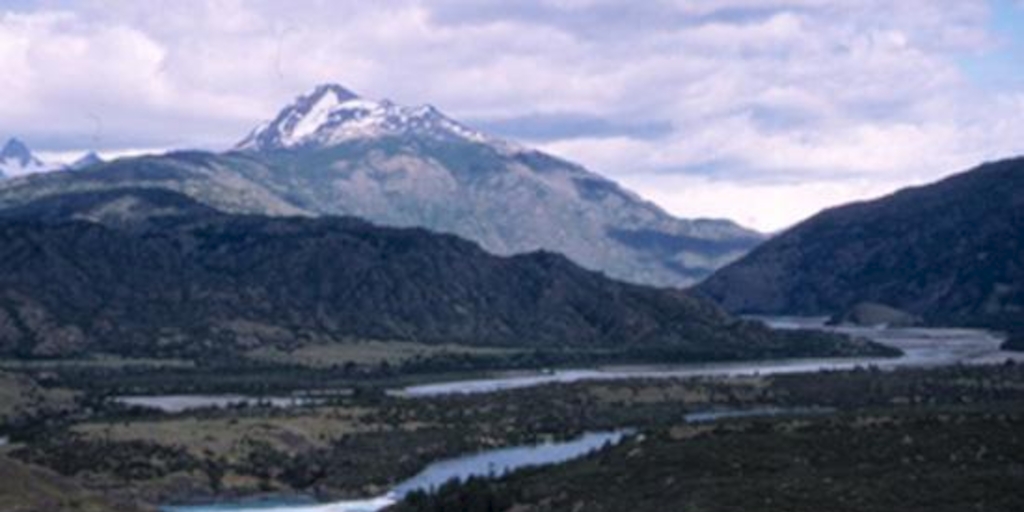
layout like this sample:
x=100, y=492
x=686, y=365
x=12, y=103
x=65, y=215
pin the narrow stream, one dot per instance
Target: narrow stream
x=711, y=416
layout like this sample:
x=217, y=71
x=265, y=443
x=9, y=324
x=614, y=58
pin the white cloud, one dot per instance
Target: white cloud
x=765, y=206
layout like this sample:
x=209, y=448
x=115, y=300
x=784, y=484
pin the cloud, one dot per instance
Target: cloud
x=766, y=206
x=807, y=101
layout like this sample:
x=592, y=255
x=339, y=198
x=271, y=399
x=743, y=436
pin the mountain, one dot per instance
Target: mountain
x=87, y=160
x=334, y=153
x=16, y=159
x=413, y=166
x=949, y=253
x=179, y=279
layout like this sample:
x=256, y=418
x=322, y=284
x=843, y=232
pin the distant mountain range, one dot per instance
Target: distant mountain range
x=16, y=160
x=149, y=272
x=334, y=153
x=950, y=253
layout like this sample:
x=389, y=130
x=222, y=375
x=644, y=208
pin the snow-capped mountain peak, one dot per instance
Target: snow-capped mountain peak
x=16, y=159
x=331, y=114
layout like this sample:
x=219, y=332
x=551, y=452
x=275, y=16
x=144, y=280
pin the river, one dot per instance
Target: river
x=922, y=347
x=488, y=463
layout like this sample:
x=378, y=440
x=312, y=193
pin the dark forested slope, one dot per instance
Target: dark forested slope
x=153, y=273
x=951, y=253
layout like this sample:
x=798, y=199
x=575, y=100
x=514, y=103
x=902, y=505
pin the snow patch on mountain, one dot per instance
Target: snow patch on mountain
x=331, y=115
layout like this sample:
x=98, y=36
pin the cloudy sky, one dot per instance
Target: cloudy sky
x=763, y=111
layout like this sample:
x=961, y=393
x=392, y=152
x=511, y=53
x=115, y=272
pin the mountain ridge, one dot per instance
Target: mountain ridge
x=202, y=283
x=948, y=252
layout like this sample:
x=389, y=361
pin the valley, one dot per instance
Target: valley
x=190, y=358
x=358, y=441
